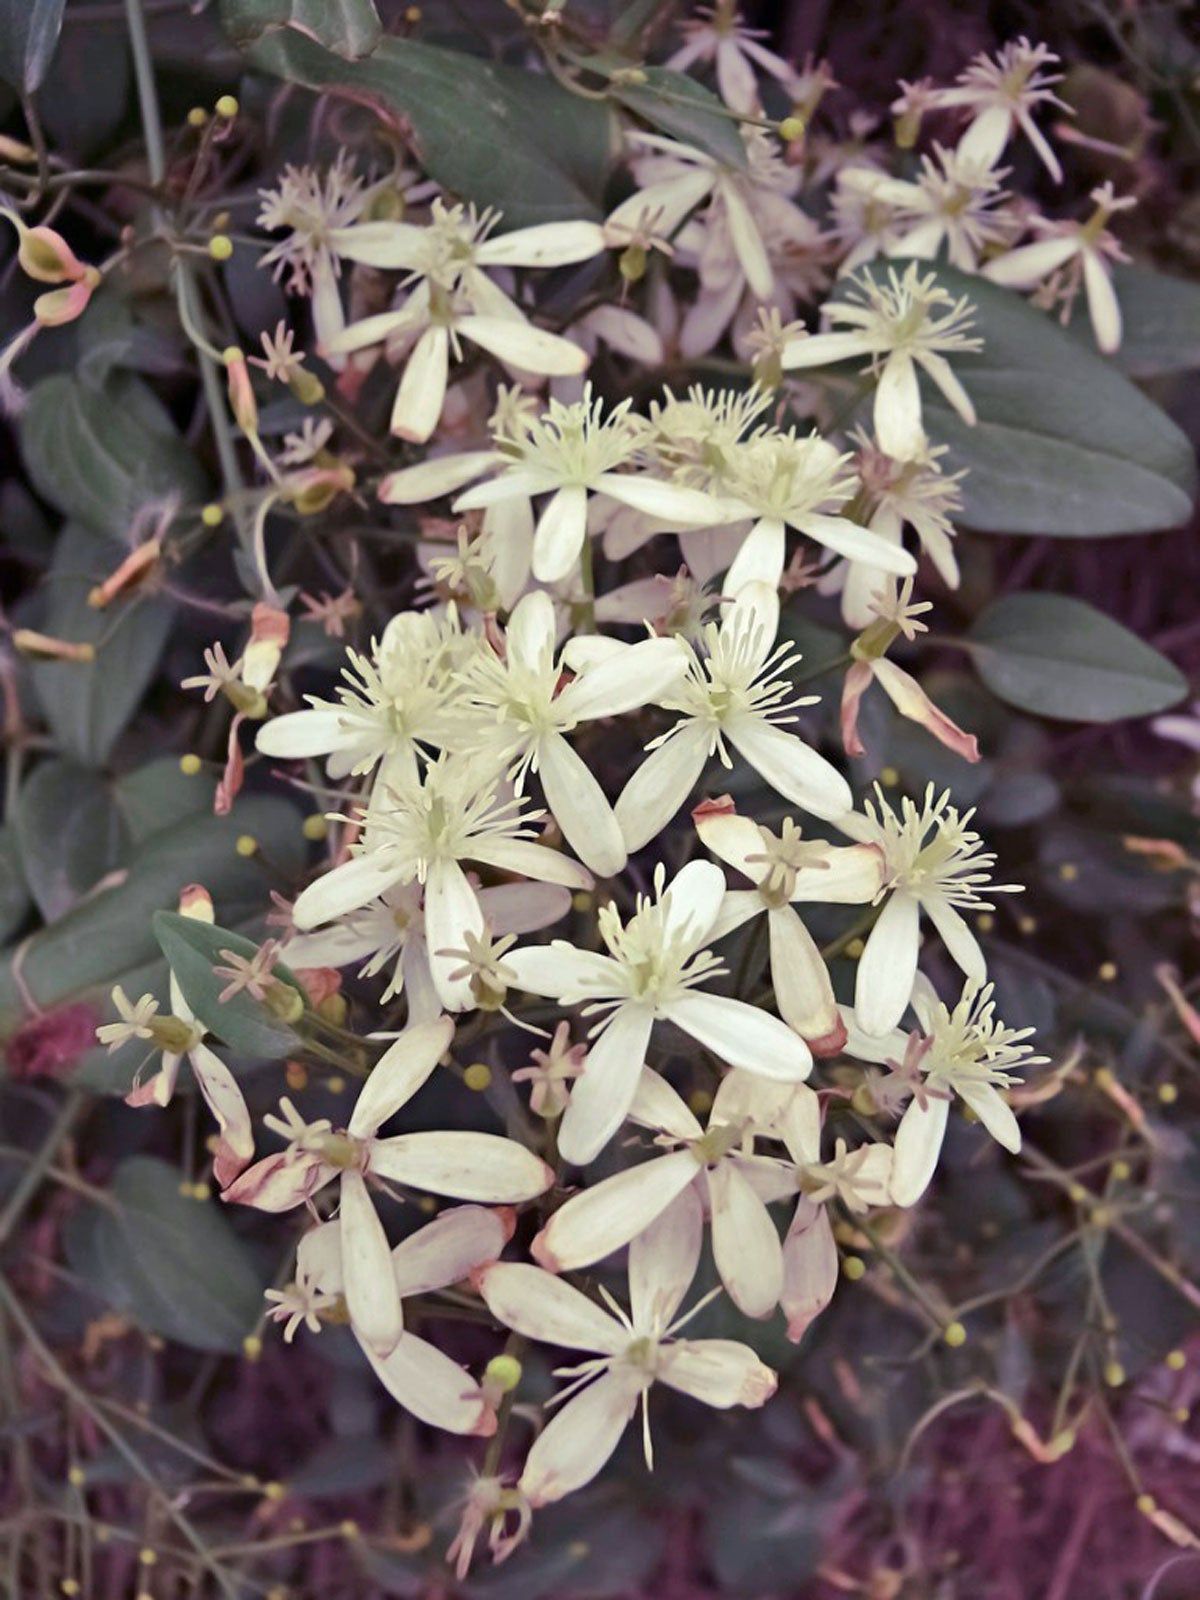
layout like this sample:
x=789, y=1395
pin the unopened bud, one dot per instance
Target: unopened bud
x=197, y=117
x=226, y=107
x=503, y=1374
x=306, y=387
x=220, y=247
x=241, y=391
x=135, y=568
x=632, y=263
x=43, y=647
x=791, y=129
x=196, y=902
x=284, y=1000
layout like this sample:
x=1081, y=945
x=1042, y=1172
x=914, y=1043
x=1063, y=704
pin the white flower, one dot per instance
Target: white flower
x=784, y=481
x=1001, y=91
x=394, y=703
x=935, y=863
x=465, y=1165
x=785, y=870
x=635, y=1351
x=954, y=205
x=422, y=831
x=717, y=34
x=969, y=1051
x=567, y=453
x=415, y=1373
x=907, y=322
x=526, y=714
x=719, y=1164
x=735, y=694
x=655, y=968
x=179, y=1035
x=1071, y=253
x=392, y=928
x=316, y=209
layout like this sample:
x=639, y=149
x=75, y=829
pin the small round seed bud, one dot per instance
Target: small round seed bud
x=190, y=765
x=76, y=1477
x=1176, y=1360
x=889, y=777
x=954, y=1334
x=853, y=1267
x=855, y=949
x=478, y=1076
x=69, y=1586
x=273, y=1491
x=1107, y=971
x=503, y=1373
x=227, y=107
x=197, y=117
x=1114, y=1374
x=315, y=827
x=252, y=1347
x=220, y=247
x=1121, y=1171
x=247, y=844
x=349, y=1530
x=791, y=129
x=1168, y=1093
x=212, y=516
x=1146, y=1504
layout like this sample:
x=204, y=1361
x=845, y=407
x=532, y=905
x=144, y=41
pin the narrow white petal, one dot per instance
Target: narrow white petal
x=554, y=970
x=452, y=910
x=656, y=1105
x=430, y=480
x=601, y=1097
x=1021, y=269
x=898, y=409
x=524, y=907
x=694, y=898
x=994, y=1111
x=561, y=530
x=435, y=1389
x=550, y=244
x=688, y=508
x=961, y=944
x=857, y=544
x=888, y=965
x=299, y=734
x=853, y=876
x=542, y=1306
x=761, y=558
x=532, y=631
x=464, y=1165
x=353, y=884
x=742, y=1035
x=791, y=767
x=810, y=1267
x=226, y=1102
x=520, y=344
x=663, y=1261
x=943, y=374
x=661, y=785
x=635, y=677
x=745, y=1244
x=389, y=246
x=422, y=391
x=398, y=1074
x=1103, y=307
x=918, y=1145
x=736, y=839
x=449, y=1249
x=824, y=349
x=600, y=1220
x=580, y=807
x=800, y=978
x=532, y=860
x=372, y=1298
x=720, y=1372
x=576, y=1444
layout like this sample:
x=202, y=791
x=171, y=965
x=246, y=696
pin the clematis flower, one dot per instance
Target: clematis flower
x=463, y=1165
x=634, y=1352
x=966, y=1051
x=415, y=1373
x=905, y=323
x=655, y=969
x=1071, y=253
x=935, y=863
x=528, y=710
x=179, y=1035
x=423, y=831
x=1001, y=91
x=567, y=453
x=785, y=870
x=392, y=928
x=735, y=694
x=717, y=35
x=955, y=206
x=719, y=1164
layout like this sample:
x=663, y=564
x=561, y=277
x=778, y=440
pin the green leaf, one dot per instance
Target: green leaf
x=491, y=134
x=193, y=948
x=350, y=28
x=70, y=833
x=87, y=704
x=171, y=1262
x=99, y=453
x=109, y=935
x=679, y=106
x=160, y=795
x=1062, y=658
x=15, y=898
x=29, y=31
x=1161, y=317
x=1064, y=444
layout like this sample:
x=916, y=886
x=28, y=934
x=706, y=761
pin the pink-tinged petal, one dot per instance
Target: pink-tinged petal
x=435, y=1389
x=524, y=907
x=544, y=1307
x=736, y=839
x=800, y=978
x=745, y=1244
x=577, y=1443
x=719, y=1372
x=280, y=1182
x=888, y=965
x=228, y=1105
x=372, y=1298
x=742, y=1035
x=602, y=1219
x=858, y=681
x=464, y=1165
x=602, y=1095
x=911, y=701
x=398, y=1074
x=663, y=1261
x=810, y=1268
x=450, y=1248
x=918, y=1145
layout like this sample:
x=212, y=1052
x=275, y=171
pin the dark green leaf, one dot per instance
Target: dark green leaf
x=108, y=936
x=1064, y=444
x=171, y=1262
x=350, y=28
x=677, y=105
x=490, y=134
x=160, y=795
x=29, y=31
x=1062, y=658
x=87, y=704
x=100, y=453
x=193, y=949
x=70, y=833
x=15, y=899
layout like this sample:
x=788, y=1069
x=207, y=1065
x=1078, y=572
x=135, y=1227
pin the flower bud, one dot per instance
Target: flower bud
x=502, y=1374
x=42, y=647
x=241, y=391
x=134, y=570
x=306, y=387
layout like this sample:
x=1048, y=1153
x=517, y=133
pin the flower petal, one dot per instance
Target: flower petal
x=465, y=1165
x=519, y=344
x=372, y=1297
x=663, y=1261
x=601, y=1097
x=800, y=978
x=577, y=1443
x=353, y=884
x=600, y=1220
x=561, y=530
x=542, y=1306
x=791, y=767
x=452, y=910
x=720, y=1372
x=422, y=392
x=742, y=1035
x=888, y=965
x=580, y=806
x=918, y=1145
x=810, y=1267
x=661, y=784
x=449, y=1249
x=745, y=1244
x=435, y=1389
x=398, y=1074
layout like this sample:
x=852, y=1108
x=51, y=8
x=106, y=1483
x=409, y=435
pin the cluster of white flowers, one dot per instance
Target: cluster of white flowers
x=516, y=751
